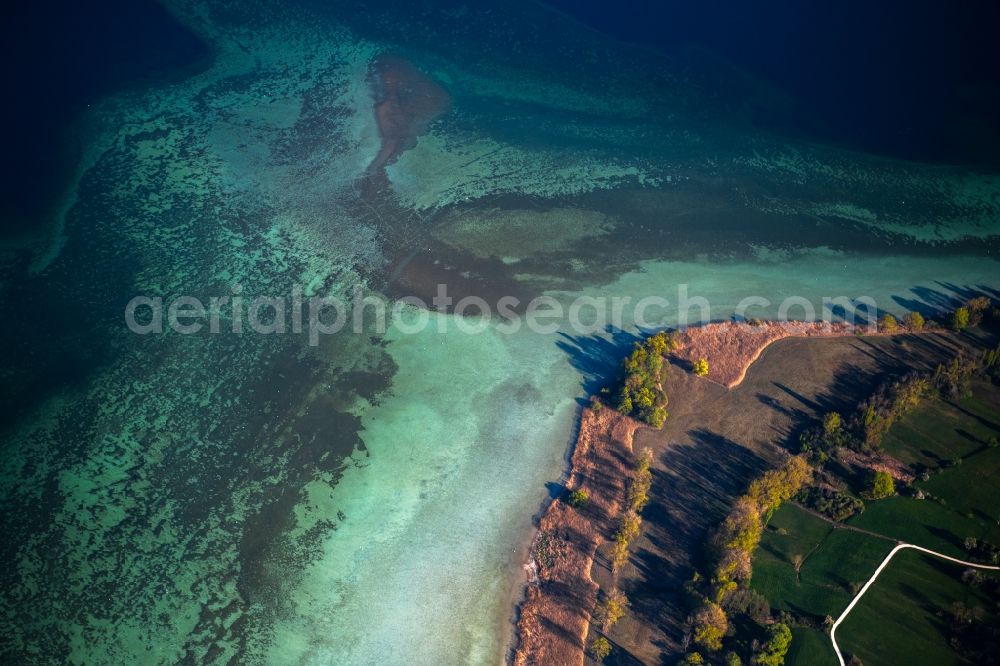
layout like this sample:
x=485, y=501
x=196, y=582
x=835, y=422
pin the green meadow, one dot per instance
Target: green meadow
x=812, y=569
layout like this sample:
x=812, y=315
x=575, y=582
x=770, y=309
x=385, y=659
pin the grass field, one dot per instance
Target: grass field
x=939, y=431
x=833, y=559
x=902, y=618
x=966, y=497
x=810, y=647
x=898, y=621
x=925, y=523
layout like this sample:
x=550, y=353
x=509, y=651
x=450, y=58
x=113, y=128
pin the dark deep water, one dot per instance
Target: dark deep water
x=913, y=80
x=917, y=80
x=58, y=57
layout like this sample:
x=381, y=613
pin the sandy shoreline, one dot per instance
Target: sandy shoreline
x=554, y=615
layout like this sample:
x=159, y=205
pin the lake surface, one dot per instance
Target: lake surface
x=254, y=497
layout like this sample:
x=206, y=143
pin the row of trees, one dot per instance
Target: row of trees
x=631, y=521
x=971, y=313
x=615, y=604
x=733, y=545
x=834, y=504
x=740, y=532
x=874, y=416
x=913, y=321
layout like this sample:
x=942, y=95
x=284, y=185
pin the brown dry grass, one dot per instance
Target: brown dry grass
x=732, y=347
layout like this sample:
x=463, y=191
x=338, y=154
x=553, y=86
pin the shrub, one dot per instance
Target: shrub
x=546, y=548
x=914, y=321
x=832, y=423
x=579, y=497
x=693, y=659
x=600, y=648
x=701, y=367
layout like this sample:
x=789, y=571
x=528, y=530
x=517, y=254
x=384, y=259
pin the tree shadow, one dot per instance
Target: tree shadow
x=597, y=357
x=945, y=535
x=694, y=485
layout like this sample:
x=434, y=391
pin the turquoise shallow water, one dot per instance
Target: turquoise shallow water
x=250, y=497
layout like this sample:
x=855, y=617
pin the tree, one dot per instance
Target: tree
x=579, y=497
x=611, y=609
x=701, y=367
x=883, y=485
x=600, y=648
x=914, y=321
x=888, y=323
x=619, y=553
x=733, y=659
x=741, y=529
x=638, y=488
x=976, y=307
x=735, y=564
x=693, y=659
x=629, y=527
x=744, y=601
x=710, y=625
x=774, y=651
x=960, y=318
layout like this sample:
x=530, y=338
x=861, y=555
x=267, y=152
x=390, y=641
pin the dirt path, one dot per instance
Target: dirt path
x=841, y=526
x=885, y=562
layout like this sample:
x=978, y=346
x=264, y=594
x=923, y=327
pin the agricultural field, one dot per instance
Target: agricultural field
x=810, y=647
x=811, y=568
x=940, y=431
x=834, y=563
x=903, y=618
